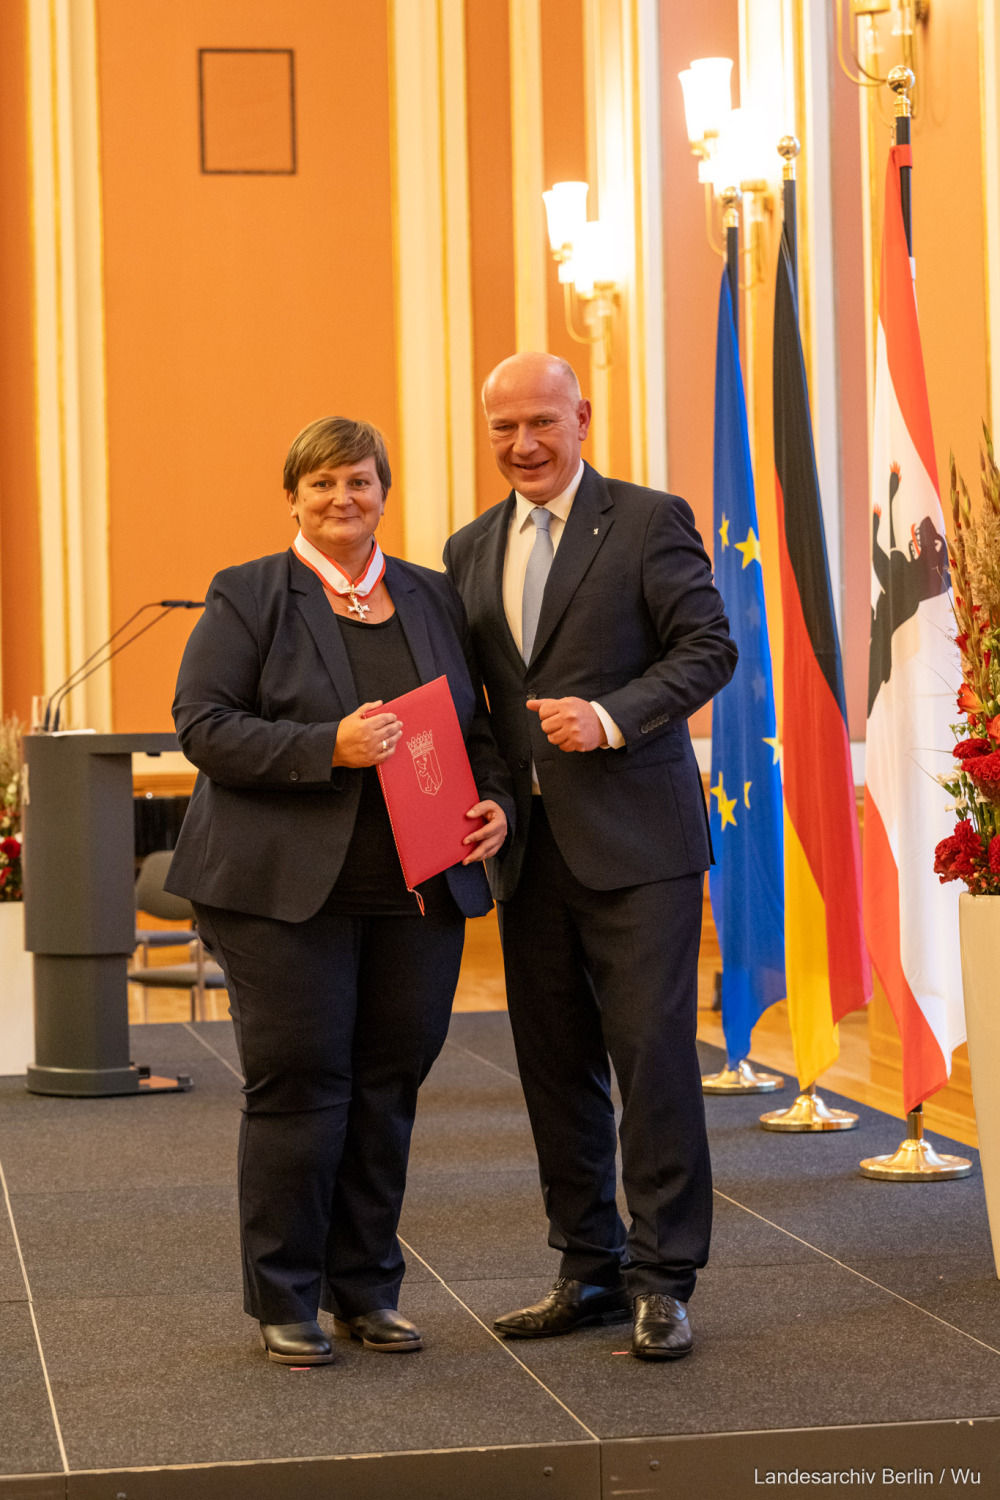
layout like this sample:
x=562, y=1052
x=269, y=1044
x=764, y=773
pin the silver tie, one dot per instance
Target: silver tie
x=535, y=574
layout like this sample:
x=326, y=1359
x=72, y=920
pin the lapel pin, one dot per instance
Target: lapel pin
x=595, y=530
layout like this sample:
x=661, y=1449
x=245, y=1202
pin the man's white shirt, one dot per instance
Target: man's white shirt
x=520, y=540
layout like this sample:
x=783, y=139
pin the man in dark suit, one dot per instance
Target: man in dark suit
x=599, y=631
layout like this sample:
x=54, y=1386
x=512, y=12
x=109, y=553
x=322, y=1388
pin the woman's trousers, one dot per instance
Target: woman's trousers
x=338, y=1020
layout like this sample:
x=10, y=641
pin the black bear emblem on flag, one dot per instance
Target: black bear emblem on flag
x=905, y=580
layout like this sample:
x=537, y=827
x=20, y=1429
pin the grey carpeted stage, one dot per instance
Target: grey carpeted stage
x=843, y=1325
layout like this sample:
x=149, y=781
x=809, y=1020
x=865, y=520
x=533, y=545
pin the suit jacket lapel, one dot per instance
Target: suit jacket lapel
x=588, y=523
x=325, y=631
x=412, y=619
x=491, y=551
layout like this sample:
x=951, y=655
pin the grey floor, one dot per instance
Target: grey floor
x=123, y=1342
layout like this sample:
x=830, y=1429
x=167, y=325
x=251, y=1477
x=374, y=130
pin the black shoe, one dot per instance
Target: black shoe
x=296, y=1343
x=569, y=1305
x=661, y=1329
x=384, y=1330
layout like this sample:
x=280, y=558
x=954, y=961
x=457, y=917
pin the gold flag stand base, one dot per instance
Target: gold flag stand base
x=915, y=1160
x=741, y=1080
x=809, y=1112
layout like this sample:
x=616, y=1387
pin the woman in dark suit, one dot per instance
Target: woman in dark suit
x=340, y=990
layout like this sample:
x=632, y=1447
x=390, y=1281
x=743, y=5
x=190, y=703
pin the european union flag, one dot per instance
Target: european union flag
x=747, y=879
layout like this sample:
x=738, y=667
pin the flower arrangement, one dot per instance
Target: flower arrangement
x=11, y=730
x=972, y=853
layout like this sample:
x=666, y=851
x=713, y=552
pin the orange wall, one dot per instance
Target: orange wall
x=691, y=272
x=238, y=307
x=20, y=574
x=949, y=236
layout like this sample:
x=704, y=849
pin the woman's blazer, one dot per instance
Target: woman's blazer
x=263, y=684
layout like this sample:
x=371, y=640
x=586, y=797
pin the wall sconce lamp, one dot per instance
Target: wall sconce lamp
x=587, y=254
x=907, y=16
x=707, y=106
x=735, y=151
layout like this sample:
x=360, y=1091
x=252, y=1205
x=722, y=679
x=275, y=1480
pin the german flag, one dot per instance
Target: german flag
x=826, y=960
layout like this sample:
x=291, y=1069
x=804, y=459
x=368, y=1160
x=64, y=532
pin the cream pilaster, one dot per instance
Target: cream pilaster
x=594, y=97
x=69, y=346
x=623, y=163
x=432, y=274
x=527, y=155
x=648, y=171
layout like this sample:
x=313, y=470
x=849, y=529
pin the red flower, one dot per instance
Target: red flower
x=995, y=854
x=993, y=727
x=967, y=749
x=969, y=846
x=962, y=639
x=11, y=847
x=944, y=860
x=957, y=857
x=968, y=701
x=984, y=773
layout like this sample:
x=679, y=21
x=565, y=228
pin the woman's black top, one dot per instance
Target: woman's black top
x=371, y=881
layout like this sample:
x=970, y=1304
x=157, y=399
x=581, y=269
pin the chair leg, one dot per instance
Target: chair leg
x=198, y=998
x=144, y=950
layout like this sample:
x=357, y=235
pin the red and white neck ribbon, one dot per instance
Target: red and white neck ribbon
x=334, y=576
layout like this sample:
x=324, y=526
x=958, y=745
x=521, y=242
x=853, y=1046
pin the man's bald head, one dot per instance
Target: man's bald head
x=537, y=422
x=536, y=366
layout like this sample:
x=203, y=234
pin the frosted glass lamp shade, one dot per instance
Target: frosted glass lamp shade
x=596, y=258
x=707, y=96
x=566, y=213
x=747, y=149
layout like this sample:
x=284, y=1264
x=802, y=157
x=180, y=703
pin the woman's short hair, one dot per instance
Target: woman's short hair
x=332, y=441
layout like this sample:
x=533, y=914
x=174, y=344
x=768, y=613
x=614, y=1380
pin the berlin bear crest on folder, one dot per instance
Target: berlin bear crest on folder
x=426, y=763
x=428, y=784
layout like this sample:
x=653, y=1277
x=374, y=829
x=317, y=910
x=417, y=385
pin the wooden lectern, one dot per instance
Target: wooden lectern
x=79, y=911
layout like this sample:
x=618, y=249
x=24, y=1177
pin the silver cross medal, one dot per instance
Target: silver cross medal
x=357, y=608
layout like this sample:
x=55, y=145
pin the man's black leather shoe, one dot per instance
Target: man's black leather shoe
x=569, y=1305
x=661, y=1329
x=296, y=1343
x=384, y=1330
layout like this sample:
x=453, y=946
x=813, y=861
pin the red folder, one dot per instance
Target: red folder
x=428, y=784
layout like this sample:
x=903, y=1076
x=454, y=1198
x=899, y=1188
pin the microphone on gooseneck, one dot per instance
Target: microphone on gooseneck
x=50, y=721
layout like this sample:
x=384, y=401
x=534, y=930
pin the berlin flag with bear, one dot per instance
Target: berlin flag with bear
x=911, y=920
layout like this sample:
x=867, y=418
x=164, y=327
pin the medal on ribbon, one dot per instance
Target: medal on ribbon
x=339, y=582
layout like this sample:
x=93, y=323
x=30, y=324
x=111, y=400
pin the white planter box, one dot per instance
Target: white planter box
x=17, y=1018
x=979, y=930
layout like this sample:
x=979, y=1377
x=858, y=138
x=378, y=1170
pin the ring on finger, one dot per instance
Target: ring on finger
x=384, y=746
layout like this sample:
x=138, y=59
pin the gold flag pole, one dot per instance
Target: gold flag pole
x=809, y=1112
x=915, y=1159
x=741, y=1079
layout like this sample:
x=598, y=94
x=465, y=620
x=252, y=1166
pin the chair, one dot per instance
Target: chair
x=151, y=898
x=199, y=973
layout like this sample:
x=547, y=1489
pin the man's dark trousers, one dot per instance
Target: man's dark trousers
x=601, y=933
x=598, y=973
